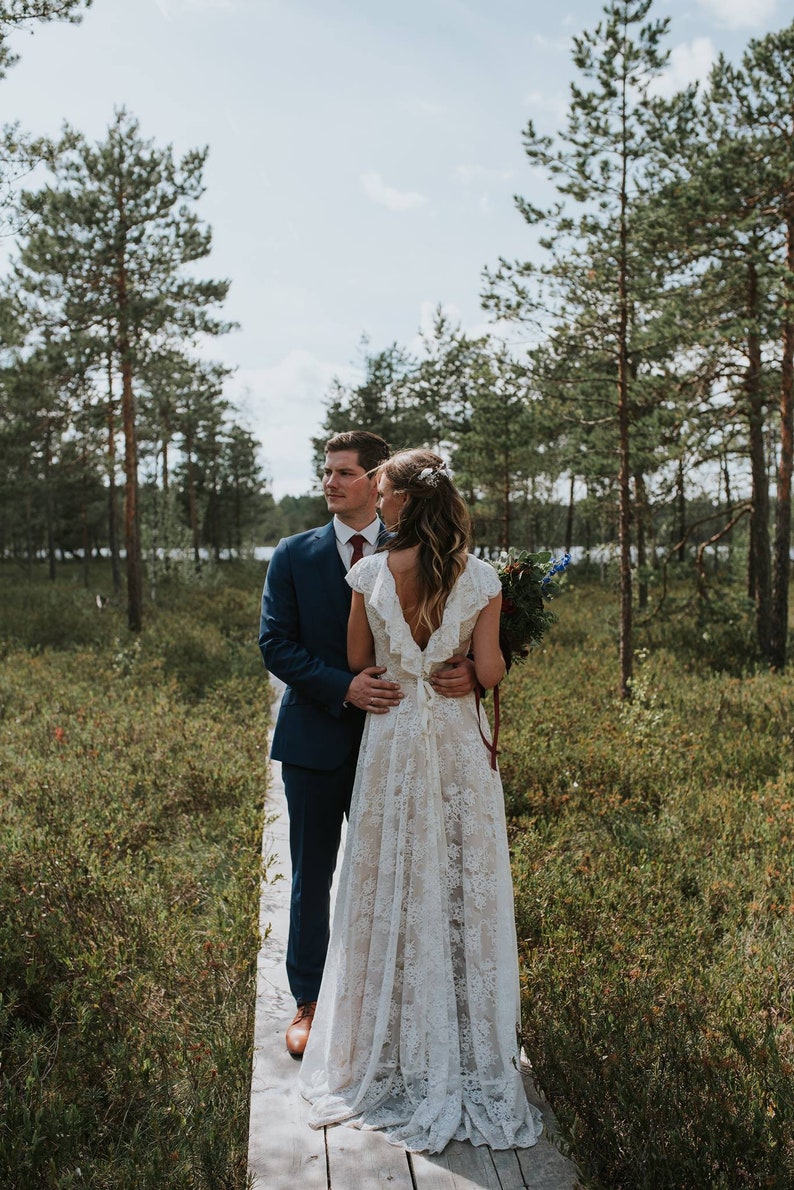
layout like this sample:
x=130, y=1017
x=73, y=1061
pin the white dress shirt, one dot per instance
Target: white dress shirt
x=343, y=534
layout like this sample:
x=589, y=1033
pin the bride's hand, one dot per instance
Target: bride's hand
x=370, y=693
x=456, y=679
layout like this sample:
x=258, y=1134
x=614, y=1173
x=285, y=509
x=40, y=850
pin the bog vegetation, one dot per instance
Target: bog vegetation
x=131, y=810
x=652, y=859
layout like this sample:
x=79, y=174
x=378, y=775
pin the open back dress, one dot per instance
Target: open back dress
x=417, y=1029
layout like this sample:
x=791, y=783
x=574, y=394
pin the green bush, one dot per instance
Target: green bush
x=131, y=813
x=652, y=849
x=60, y=616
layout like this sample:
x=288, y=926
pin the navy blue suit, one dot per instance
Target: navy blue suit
x=303, y=638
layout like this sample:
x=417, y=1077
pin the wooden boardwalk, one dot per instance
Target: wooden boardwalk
x=286, y=1154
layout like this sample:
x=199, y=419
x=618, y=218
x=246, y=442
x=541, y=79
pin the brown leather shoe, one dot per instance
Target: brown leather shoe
x=301, y=1027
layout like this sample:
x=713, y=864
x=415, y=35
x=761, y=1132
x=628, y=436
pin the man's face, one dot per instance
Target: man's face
x=347, y=490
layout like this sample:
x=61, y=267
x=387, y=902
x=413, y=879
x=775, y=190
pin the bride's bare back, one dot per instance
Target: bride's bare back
x=403, y=565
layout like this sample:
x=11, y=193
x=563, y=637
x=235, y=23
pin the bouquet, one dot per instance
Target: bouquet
x=528, y=584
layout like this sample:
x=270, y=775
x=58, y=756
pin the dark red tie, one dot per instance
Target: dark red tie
x=357, y=541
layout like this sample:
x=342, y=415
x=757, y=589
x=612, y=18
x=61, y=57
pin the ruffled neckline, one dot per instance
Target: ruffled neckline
x=444, y=640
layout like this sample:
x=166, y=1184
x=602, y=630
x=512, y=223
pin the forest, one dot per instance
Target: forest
x=635, y=391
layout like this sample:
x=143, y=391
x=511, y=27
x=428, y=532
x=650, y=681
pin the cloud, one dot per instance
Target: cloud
x=284, y=406
x=740, y=14
x=690, y=62
x=540, y=103
x=551, y=43
x=499, y=331
x=484, y=178
x=396, y=200
x=167, y=7
x=424, y=107
x=482, y=173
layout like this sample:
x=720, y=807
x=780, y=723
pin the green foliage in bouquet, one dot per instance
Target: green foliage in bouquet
x=528, y=584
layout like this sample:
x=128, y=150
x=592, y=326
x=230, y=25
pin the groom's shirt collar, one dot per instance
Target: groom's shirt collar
x=343, y=533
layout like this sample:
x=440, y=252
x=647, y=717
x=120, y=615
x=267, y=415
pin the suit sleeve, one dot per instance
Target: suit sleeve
x=279, y=640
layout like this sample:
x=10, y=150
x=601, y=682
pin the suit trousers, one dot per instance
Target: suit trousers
x=317, y=803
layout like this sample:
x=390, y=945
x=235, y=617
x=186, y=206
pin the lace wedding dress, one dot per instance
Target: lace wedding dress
x=417, y=1024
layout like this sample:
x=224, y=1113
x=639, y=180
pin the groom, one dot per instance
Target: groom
x=303, y=638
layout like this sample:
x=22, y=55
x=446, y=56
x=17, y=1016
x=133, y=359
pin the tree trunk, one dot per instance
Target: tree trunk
x=166, y=503
x=132, y=532
x=505, y=543
x=84, y=523
x=569, y=516
x=680, y=499
x=28, y=505
x=641, y=504
x=624, y=474
x=192, y=502
x=48, y=513
x=238, y=518
x=759, y=573
x=726, y=475
x=213, y=510
x=778, y=635
x=113, y=531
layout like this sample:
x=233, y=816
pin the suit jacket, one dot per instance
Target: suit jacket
x=303, y=638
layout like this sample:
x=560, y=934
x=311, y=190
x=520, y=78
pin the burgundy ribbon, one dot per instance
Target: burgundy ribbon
x=491, y=746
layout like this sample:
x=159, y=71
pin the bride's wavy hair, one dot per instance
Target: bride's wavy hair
x=434, y=518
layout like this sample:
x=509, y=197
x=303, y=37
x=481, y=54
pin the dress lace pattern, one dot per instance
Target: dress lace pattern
x=417, y=1030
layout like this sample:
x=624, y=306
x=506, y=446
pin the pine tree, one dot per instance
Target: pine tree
x=107, y=249
x=18, y=151
x=379, y=403
x=20, y=14
x=756, y=100
x=495, y=451
x=597, y=265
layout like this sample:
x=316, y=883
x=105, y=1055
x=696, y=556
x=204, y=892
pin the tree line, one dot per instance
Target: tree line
x=103, y=371
x=655, y=373
x=642, y=391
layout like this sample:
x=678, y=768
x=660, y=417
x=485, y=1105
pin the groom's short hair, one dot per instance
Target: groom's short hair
x=372, y=450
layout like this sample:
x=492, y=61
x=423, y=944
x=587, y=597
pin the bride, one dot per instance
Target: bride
x=417, y=1030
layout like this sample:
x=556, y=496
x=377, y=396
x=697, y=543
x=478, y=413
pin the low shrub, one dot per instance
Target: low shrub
x=654, y=884
x=131, y=814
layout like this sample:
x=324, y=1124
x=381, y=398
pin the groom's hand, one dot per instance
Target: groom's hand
x=456, y=679
x=370, y=693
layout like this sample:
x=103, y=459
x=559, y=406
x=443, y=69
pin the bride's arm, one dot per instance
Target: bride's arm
x=360, y=645
x=489, y=664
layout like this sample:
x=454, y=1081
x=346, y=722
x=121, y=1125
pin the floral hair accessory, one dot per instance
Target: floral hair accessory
x=431, y=475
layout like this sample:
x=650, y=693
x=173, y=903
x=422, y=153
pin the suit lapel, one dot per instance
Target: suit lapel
x=330, y=573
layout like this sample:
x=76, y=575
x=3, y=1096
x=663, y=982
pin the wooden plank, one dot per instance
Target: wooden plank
x=461, y=1166
x=362, y=1158
x=545, y=1168
x=285, y=1153
x=508, y=1168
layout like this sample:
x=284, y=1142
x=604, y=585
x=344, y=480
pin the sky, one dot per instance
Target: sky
x=363, y=157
